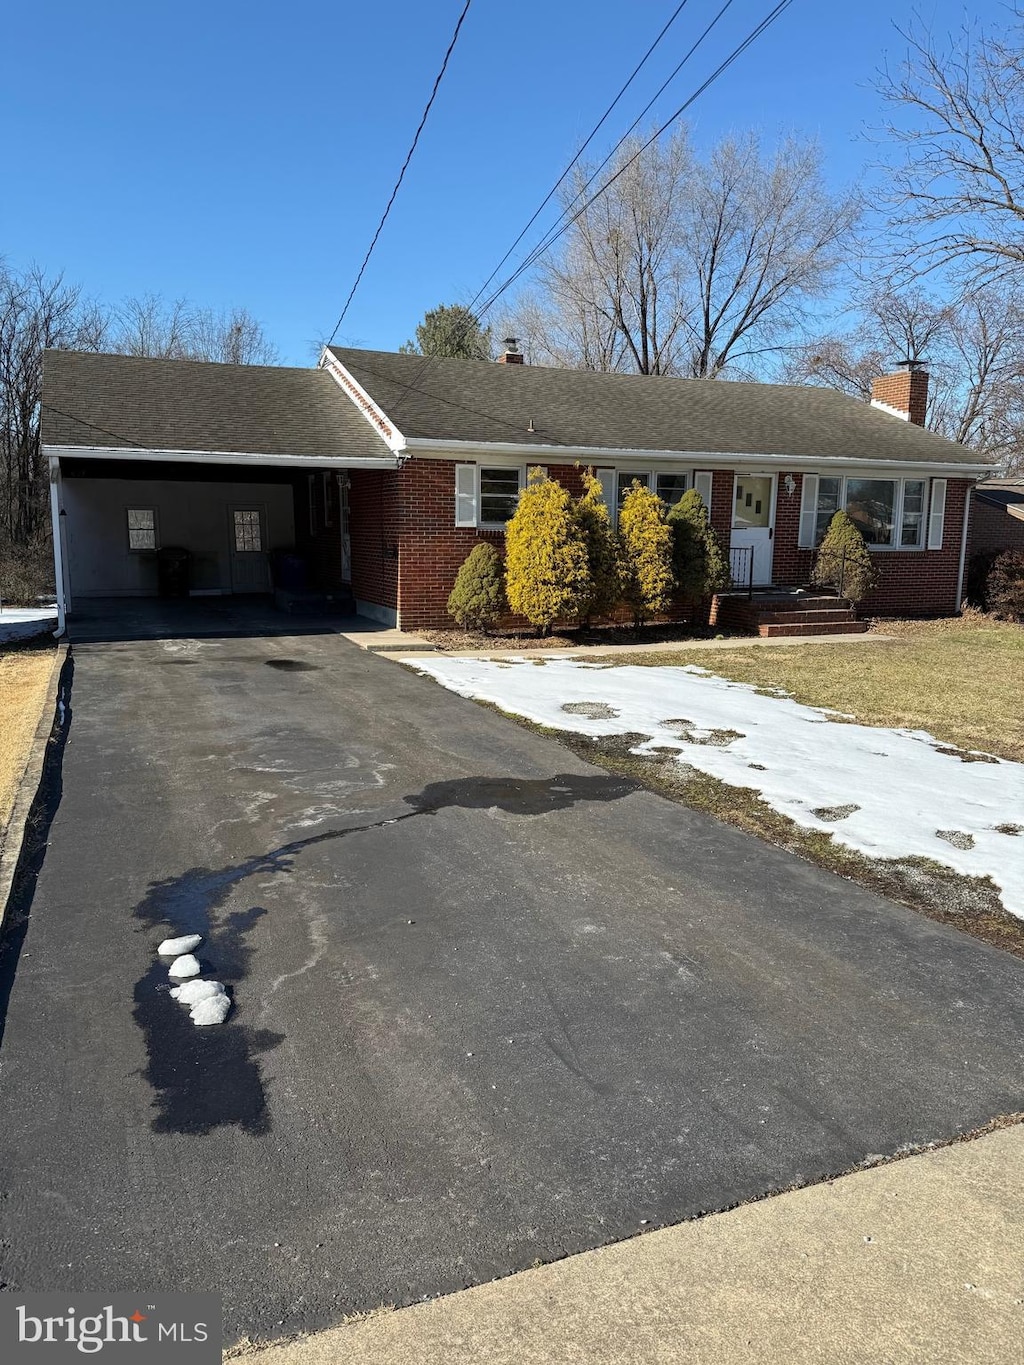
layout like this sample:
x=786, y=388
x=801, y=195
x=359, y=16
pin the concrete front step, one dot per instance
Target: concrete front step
x=802, y=627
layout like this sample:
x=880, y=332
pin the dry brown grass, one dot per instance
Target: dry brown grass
x=961, y=679
x=24, y=695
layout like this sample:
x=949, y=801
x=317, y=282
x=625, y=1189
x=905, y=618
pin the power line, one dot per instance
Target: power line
x=590, y=137
x=405, y=167
x=559, y=230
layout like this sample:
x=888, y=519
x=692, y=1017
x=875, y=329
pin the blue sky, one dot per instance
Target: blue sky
x=242, y=154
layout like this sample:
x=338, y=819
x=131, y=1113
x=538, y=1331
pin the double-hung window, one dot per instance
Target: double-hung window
x=142, y=528
x=889, y=513
x=486, y=496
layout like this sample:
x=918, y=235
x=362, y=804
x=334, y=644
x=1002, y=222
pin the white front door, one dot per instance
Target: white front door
x=248, y=532
x=753, y=522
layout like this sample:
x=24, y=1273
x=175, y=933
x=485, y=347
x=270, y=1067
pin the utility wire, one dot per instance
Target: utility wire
x=590, y=137
x=405, y=167
x=555, y=233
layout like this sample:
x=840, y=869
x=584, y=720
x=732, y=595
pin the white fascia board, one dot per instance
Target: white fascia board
x=604, y=455
x=217, y=457
x=370, y=409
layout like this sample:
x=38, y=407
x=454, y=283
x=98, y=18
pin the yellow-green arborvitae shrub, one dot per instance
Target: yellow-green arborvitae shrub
x=602, y=553
x=546, y=574
x=645, y=554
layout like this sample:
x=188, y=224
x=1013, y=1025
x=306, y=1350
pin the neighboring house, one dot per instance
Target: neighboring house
x=997, y=516
x=382, y=471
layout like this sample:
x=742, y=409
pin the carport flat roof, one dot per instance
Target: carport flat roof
x=117, y=406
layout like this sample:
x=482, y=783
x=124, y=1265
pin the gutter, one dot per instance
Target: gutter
x=958, y=604
x=598, y=455
x=220, y=457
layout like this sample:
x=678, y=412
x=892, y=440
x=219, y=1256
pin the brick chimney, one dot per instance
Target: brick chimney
x=905, y=393
x=512, y=355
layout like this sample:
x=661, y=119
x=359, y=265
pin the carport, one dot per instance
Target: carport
x=191, y=479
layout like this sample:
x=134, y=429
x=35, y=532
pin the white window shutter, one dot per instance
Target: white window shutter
x=808, y=512
x=702, y=482
x=606, y=478
x=465, y=495
x=937, y=515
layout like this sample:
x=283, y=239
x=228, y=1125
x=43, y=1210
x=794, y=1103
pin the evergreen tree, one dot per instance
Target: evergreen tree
x=546, y=574
x=452, y=331
x=478, y=598
x=844, y=561
x=698, y=560
x=645, y=554
x=602, y=555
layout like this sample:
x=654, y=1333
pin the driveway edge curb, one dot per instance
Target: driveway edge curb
x=28, y=787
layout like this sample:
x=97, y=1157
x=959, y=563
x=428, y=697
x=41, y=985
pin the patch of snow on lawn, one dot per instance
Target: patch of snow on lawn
x=886, y=793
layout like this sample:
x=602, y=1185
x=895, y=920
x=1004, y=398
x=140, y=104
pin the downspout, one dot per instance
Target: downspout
x=58, y=548
x=969, y=494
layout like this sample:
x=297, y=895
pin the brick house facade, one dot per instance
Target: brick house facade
x=379, y=473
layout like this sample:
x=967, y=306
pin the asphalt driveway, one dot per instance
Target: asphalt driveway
x=492, y=1006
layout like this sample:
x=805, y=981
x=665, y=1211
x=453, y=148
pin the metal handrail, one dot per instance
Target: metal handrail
x=741, y=566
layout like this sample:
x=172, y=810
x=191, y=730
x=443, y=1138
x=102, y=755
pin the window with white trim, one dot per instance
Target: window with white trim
x=141, y=528
x=487, y=496
x=499, y=493
x=669, y=484
x=889, y=513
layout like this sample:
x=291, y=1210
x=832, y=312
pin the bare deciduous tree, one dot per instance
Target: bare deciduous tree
x=688, y=266
x=974, y=348
x=35, y=313
x=150, y=326
x=959, y=192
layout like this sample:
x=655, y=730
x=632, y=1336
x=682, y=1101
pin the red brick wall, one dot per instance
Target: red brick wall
x=911, y=582
x=993, y=529
x=373, y=502
x=406, y=548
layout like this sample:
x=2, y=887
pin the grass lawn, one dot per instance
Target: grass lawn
x=962, y=679
x=24, y=695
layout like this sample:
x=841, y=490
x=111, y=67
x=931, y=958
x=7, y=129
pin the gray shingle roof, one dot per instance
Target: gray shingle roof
x=123, y=401
x=476, y=401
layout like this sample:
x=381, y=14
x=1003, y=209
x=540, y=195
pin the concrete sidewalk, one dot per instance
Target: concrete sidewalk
x=916, y=1261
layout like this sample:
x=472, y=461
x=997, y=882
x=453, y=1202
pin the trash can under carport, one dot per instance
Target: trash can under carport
x=172, y=565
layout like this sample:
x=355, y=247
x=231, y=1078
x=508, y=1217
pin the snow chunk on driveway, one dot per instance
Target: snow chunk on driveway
x=193, y=991
x=174, y=947
x=183, y=967
x=886, y=793
x=212, y=1010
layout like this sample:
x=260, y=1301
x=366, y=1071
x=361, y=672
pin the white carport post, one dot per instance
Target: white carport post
x=59, y=557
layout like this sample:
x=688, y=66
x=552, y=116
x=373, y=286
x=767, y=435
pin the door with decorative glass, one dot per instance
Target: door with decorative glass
x=248, y=530
x=753, y=520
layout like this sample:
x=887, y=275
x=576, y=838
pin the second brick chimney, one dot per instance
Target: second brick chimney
x=905, y=393
x=512, y=355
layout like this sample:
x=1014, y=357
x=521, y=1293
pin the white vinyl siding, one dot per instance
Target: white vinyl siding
x=937, y=514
